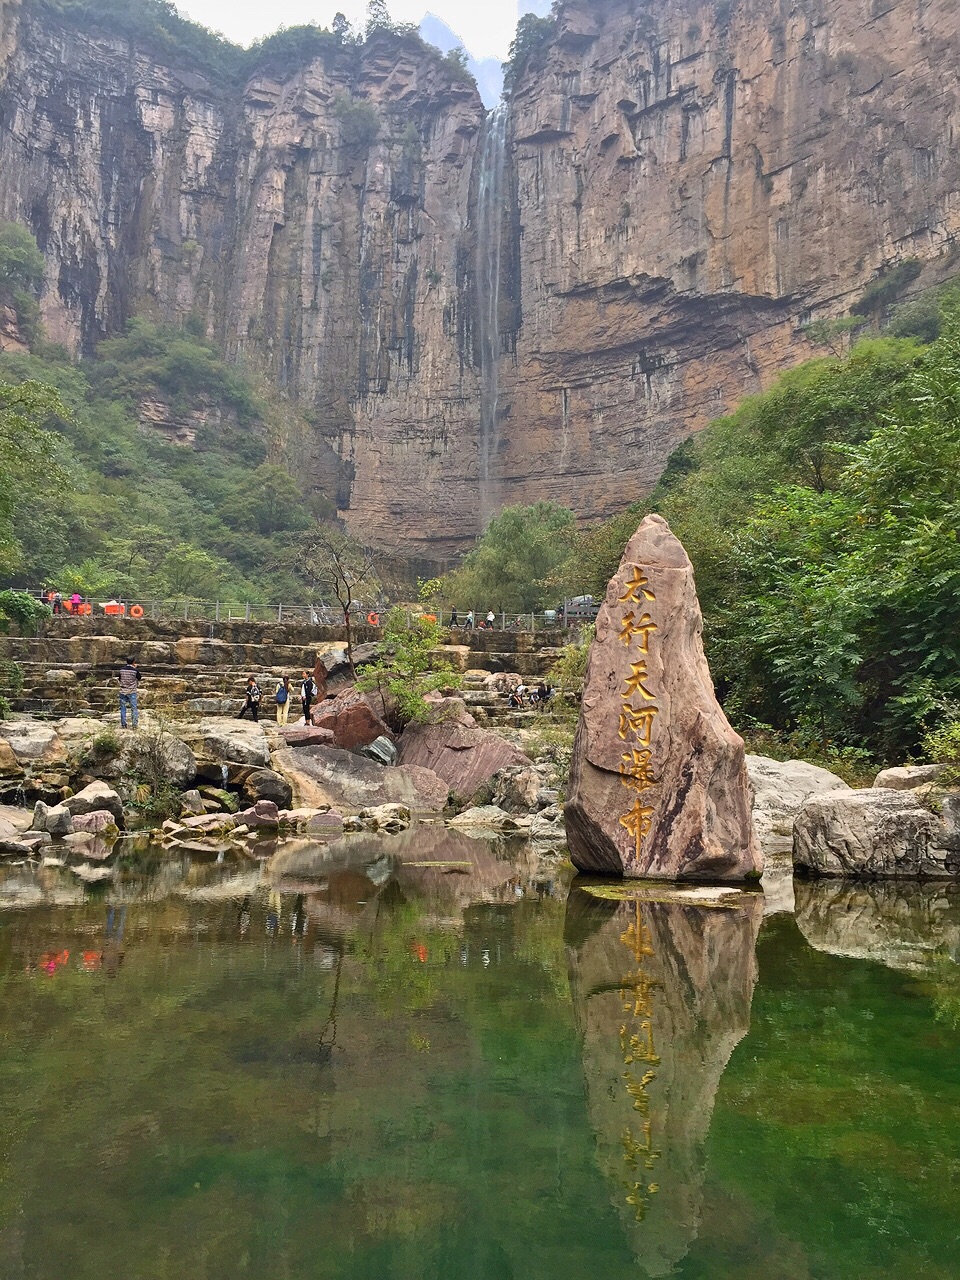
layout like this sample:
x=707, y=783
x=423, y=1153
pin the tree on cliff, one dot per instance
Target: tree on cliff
x=21, y=275
x=331, y=560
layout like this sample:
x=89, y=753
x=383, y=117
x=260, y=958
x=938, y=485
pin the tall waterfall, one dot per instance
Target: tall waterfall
x=490, y=210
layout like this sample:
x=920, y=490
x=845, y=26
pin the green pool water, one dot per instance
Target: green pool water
x=357, y=1067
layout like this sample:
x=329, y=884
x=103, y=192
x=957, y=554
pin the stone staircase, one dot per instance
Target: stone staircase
x=71, y=669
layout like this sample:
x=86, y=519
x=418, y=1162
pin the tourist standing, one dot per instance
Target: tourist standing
x=57, y=602
x=129, y=678
x=491, y=619
x=468, y=621
x=453, y=620
x=283, y=700
x=308, y=691
x=251, y=700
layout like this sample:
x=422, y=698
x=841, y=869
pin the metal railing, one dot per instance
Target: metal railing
x=188, y=609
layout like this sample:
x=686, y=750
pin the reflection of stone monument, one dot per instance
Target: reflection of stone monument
x=658, y=784
x=661, y=993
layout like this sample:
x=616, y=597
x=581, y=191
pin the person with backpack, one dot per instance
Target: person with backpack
x=129, y=676
x=283, y=700
x=308, y=691
x=251, y=702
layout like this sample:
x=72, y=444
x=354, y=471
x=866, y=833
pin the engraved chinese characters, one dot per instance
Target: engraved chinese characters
x=658, y=786
x=637, y=712
x=661, y=994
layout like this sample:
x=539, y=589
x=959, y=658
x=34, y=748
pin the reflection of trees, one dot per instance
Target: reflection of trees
x=662, y=994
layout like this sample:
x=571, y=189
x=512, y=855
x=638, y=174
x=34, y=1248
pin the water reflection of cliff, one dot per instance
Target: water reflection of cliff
x=661, y=993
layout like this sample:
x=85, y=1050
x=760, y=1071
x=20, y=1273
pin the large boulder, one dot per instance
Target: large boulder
x=875, y=832
x=267, y=784
x=306, y=736
x=97, y=795
x=98, y=822
x=658, y=785
x=391, y=818
x=779, y=790
x=908, y=777
x=456, y=750
x=146, y=750
x=519, y=789
x=344, y=780
x=485, y=817
x=233, y=742
x=355, y=719
x=262, y=814
x=54, y=819
x=33, y=742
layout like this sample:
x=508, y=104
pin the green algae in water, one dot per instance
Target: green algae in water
x=400, y=1079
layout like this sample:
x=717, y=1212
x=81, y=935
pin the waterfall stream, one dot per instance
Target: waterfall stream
x=490, y=200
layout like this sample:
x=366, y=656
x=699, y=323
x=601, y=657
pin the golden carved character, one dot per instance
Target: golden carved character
x=636, y=769
x=632, y=626
x=634, y=681
x=638, y=822
x=637, y=587
x=638, y=721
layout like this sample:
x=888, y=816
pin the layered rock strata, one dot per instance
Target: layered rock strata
x=474, y=312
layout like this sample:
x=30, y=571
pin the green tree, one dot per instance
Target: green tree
x=21, y=276
x=29, y=457
x=533, y=34
x=518, y=564
x=410, y=666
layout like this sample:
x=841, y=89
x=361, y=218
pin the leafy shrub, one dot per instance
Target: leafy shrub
x=360, y=124
x=887, y=287
x=533, y=34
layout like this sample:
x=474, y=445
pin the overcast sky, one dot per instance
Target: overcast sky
x=486, y=28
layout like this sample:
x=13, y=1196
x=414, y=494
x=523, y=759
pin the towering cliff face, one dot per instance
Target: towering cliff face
x=473, y=311
x=312, y=218
x=695, y=182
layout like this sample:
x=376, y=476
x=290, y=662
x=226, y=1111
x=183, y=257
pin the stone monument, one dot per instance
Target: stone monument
x=658, y=785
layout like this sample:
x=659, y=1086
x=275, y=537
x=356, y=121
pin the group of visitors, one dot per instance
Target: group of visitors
x=253, y=696
x=530, y=695
x=468, y=623
x=73, y=604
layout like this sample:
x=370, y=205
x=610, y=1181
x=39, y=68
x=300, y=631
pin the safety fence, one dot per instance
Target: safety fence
x=321, y=614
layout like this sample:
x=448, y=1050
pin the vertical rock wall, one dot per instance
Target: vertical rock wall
x=686, y=184
x=313, y=220
x=696, y=181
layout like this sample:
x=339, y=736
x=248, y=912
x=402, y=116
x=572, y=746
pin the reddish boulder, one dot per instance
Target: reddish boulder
x=658, y=785
x=355, y=719
x=263, y=814
x=456, y=750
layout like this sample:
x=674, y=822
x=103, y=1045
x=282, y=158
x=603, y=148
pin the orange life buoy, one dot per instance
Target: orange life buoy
x=136, y=611
x=373, y=619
